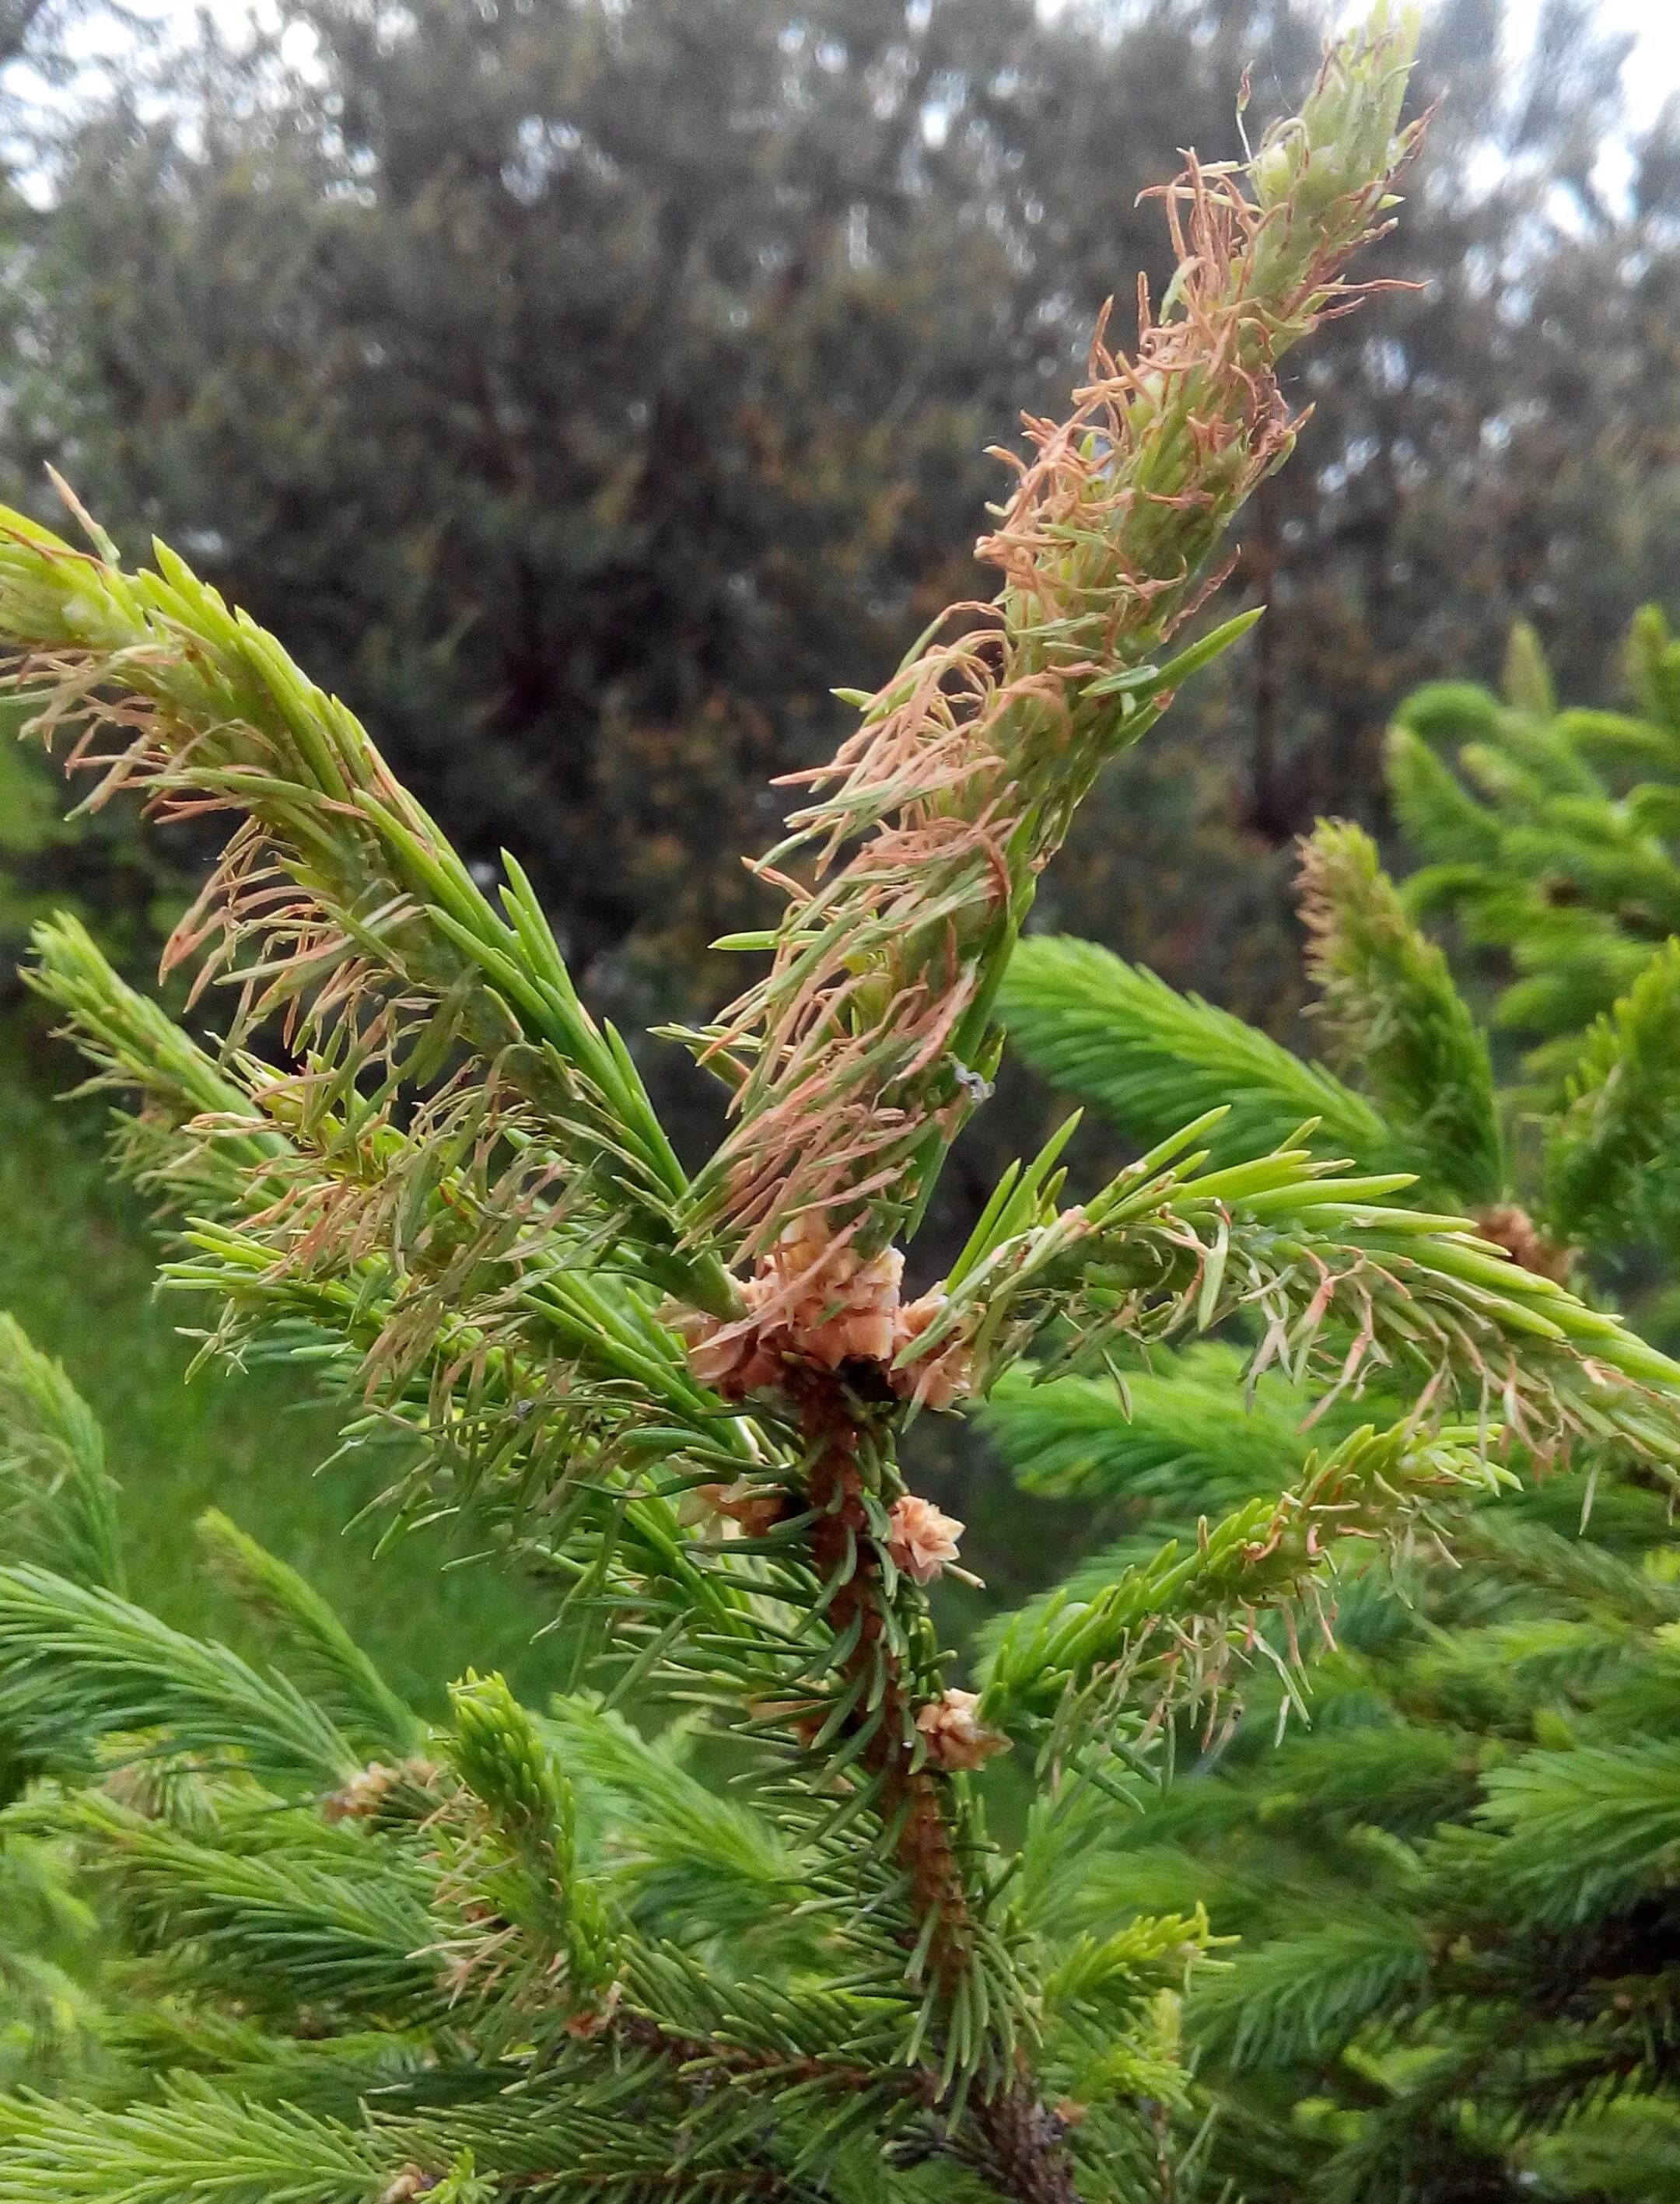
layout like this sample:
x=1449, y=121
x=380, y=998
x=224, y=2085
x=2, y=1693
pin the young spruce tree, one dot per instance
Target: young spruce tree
x=518, y=1955
x=1455, y=1893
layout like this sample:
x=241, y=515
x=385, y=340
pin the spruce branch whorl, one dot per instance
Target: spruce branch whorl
x=856, y=1061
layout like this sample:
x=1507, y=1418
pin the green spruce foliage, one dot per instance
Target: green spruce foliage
x=1552, y=836
x=355, y=1958
x=1450, y=1869
x=1549, y=833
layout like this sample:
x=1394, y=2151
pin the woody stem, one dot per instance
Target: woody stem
x=845, y=1555
x=1029, y=2162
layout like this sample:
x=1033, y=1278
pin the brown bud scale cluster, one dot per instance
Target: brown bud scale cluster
x=815, y=1302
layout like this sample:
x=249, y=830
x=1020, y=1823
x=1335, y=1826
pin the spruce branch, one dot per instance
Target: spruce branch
x=340, y=1678
x=281, y=1929
x=74, y=1660
x=1166, y=1634
x=615, y=2132
x=1591, y=1825
x=1190, y=1422
x=534, y=1939
x=1624, y=2148
x=196, y=2144
x=1653, y=665
x=1114, y=1035
x=433, y=1901
x=58, y=1497
x=1611, y=1151
x=1394, y=1015
x=488, y=1337
x=1448, y=1891
x=685, y=1399
x=1549, y=834
x=1345, y=1281
x=338, y=902
x=857, y=1058
x=331, y=2076
x=477, y=1323
x=685, y=1863
x=1572, y=1573
x=1291, y=1999
x=138, y=1050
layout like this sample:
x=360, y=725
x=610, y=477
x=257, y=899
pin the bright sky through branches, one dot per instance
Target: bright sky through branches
x=1652, y=72
x=1651, y=75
